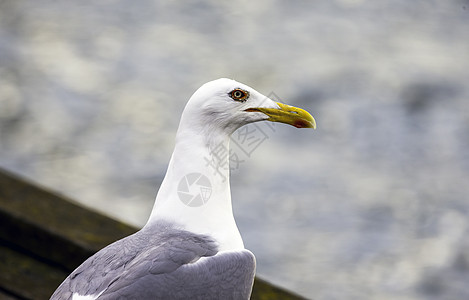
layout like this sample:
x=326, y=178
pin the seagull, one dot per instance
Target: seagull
x=191, y=247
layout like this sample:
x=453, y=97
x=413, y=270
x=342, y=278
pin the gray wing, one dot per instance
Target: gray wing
x=226, y=275
x=162, y=263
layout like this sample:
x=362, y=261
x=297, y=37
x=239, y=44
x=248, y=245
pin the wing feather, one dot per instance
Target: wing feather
x=162, y=263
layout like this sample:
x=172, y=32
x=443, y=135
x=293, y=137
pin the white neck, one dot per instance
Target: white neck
x=197, y=151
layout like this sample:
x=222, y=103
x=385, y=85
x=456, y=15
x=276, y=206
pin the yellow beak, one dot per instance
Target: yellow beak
x=287, y=114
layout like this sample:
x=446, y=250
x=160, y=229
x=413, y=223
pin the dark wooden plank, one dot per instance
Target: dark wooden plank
x=264, y=290
x=23, y=277
x=51, y=226
x=6, y=296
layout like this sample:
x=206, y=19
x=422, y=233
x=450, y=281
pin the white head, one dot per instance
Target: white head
x=226, y=105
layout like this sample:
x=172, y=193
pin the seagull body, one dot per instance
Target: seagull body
x=188, y=249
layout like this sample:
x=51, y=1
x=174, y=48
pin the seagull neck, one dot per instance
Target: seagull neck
x=195, y=193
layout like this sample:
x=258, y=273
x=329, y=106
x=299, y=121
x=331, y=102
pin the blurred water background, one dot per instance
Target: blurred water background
x=372, y=205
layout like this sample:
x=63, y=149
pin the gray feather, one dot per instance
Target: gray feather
x=162, y=262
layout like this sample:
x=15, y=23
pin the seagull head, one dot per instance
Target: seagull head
x=227, y=104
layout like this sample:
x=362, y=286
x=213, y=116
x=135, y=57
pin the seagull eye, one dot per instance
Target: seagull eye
x=239, y=95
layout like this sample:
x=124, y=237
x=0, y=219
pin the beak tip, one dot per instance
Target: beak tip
x=301, y=123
